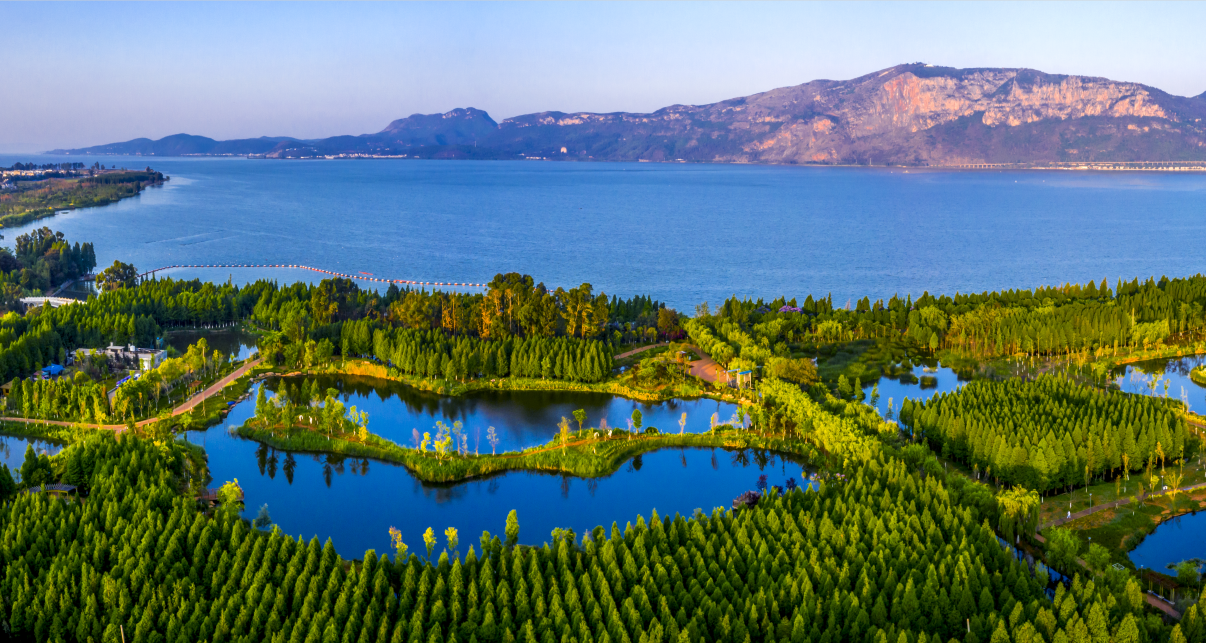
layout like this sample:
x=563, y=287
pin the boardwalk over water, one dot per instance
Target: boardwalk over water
x=364, y=276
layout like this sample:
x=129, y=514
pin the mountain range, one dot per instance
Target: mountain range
x=914, y=114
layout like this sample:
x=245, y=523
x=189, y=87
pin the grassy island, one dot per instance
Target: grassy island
x=582, y=454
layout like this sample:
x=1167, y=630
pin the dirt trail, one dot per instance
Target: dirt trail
x=640, y=350
x=706, y=368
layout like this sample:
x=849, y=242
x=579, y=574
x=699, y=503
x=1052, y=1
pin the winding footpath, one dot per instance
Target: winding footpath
x=640, y=350
x=184, y=407
x=705, y=368
x=1152, y=600
x=1106, y=505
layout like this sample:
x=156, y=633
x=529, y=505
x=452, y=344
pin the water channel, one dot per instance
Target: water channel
x=355, y=501
x=1179, y=538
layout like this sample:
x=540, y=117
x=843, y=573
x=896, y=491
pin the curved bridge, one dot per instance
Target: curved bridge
x=362, y=276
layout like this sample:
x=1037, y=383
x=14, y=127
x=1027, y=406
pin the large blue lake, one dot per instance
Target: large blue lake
x=681, y=233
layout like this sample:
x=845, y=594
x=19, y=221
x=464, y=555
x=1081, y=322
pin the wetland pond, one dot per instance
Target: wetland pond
x=355, y=501
x=12, y=450
x=1184, y=537
x=923, y=383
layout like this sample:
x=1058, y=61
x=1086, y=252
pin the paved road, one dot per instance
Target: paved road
x=216, y=387
x=184, y=407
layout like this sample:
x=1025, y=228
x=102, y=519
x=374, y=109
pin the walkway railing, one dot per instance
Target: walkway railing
x=362, y=277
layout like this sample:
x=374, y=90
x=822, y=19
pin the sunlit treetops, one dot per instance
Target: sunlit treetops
x=1042, y=434
x=300, y=313
x=882, y=555
x=1049, y=320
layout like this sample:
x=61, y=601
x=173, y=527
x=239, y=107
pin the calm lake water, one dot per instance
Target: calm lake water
x=355, y=501
x=1139, y=377
x=229, y=342
x=1173, y=541
x=937, y=379
x=12, y=450
x=680, y=233
x=521, y=419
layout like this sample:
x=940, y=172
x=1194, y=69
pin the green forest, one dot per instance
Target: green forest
x=1047, y=433
x=1052, y=322
x=900, y=537
x=882, y=554
x=419, y=332
x=43, y=259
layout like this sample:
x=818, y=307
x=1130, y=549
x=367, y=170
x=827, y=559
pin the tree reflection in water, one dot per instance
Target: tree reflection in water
x=565, y=486
x=290, y=466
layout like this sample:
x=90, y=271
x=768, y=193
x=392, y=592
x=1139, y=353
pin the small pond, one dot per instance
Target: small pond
x=521, y=419
x=1171, y=379
x=12, y=450
x=228, y=341
x=1175, y=540
x=355, y=501
x=926, y=381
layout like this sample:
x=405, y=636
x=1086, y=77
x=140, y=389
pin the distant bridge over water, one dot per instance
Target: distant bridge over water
x=360, y=276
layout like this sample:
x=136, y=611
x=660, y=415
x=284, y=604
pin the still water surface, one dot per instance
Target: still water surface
x=12, y=450
x=682, y=233
x=522, y=419
x=1175, y=540
x=355, y=501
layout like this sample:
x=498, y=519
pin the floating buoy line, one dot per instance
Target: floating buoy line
x=362, y=277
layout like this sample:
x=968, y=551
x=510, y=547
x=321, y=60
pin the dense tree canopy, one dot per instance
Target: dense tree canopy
x=882, y=555
x=1046, y=321
x=1044, y=433
x=43, y=259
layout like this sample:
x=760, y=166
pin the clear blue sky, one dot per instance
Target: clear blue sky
x=85, y=74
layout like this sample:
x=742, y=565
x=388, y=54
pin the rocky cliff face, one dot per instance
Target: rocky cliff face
x=909, y=114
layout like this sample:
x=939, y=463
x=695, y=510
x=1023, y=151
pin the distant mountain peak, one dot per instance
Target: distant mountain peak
x=911, y=114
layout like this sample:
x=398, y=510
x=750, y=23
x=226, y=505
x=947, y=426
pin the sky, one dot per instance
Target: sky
x=86, y=74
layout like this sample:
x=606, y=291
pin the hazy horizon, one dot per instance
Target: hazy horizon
x=102, y=73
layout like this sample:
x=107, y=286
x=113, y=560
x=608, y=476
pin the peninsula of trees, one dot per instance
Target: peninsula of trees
x=29, y=192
